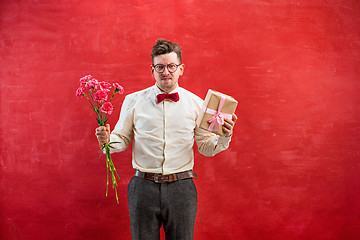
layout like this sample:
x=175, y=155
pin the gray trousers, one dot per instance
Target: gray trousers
x=172, y=205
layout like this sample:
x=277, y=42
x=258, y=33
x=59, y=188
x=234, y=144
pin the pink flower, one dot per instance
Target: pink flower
x=100, y=96
x=85, y=79
x=105, y=86
x=92, y=83
x=118, y=88
x=80, y=92
x=107, y=108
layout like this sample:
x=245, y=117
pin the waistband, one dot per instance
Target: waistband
x=159, y=178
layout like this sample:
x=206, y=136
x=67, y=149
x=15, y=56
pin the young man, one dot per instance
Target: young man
x=161, y=120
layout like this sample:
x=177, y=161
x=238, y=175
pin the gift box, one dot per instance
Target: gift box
x=216, y=108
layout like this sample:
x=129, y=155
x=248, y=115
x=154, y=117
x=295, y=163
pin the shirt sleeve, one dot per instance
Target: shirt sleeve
x=209, y=143
x=123, y=131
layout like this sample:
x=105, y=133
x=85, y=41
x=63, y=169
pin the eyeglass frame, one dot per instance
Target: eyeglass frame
x=167, y=66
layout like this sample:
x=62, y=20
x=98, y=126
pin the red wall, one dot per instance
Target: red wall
x=292, y=170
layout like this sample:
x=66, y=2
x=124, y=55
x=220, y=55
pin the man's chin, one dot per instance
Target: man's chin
x=167, y=86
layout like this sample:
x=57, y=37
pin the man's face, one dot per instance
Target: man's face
x=167, y=81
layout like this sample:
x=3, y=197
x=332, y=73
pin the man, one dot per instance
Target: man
x=161, y=120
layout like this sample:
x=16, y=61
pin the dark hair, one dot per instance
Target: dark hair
x=163, y=46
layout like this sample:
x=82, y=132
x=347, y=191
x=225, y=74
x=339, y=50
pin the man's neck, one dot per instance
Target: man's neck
x=167, y=91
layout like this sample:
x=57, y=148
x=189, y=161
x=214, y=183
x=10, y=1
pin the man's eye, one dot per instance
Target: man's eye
x=159, y=67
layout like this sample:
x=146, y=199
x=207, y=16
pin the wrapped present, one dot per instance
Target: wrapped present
x=216, y=108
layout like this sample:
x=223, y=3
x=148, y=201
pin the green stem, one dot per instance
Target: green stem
x=112, y=96
x=110, y=166
x=92, y=99
x=92, y=106
x=107, y=178
x=95, y=106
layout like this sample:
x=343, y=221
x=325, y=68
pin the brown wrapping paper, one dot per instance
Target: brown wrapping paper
x=212, y=101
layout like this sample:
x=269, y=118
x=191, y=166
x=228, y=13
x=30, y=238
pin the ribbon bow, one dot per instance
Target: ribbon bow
x=172, y=96
x=218, y=118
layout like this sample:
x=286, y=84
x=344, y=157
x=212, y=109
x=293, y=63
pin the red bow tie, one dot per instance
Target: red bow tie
x=172, y=96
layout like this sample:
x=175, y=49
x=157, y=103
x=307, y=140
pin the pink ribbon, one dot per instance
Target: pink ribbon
x=218, y=118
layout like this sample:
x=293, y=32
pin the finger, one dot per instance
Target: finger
x=100, y=129
x=101, y=134
x=234, y=117
x=102, y=139
x=228, y=121
x=227, y=131
x=227, y=125
x=107, y=126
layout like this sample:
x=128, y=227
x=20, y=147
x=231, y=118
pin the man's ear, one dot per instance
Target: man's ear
x=181, y=68
x=152, y=70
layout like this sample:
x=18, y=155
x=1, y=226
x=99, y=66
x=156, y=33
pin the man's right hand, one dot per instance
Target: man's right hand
x=103, y=134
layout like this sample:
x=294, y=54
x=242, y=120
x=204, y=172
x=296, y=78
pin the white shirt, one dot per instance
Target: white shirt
x=163, y=133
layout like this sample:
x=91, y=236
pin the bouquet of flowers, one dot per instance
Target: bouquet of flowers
x=96, y=93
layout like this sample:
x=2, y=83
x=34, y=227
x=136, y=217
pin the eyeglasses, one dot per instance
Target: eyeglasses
x=172, y=67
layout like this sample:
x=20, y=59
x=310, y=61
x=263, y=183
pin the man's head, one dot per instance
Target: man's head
x=166, y=67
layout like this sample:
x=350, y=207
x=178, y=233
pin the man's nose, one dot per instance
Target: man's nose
x=166, y=71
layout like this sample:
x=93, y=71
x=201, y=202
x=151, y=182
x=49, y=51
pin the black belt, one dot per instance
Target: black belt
x=159, y=178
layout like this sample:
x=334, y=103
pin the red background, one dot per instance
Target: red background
x=292, y=170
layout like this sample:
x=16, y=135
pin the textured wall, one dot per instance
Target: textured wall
x=292, y=171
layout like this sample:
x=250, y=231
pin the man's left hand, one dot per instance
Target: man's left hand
x=229, y=125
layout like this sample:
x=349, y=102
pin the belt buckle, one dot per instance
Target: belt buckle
x=156, y=177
